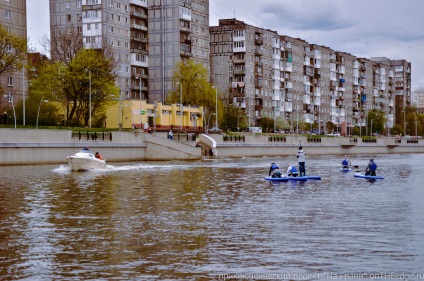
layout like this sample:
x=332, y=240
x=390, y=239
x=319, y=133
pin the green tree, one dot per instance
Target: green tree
x=13, y=52
x=196, y=90
x=90, y=71
x=47, y=113
x=378, y=119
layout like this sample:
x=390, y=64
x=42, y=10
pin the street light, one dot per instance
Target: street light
x=38, y=114
x=216, y=107
x=89, y=75
x=415, y=115
x=13, y=106
x=404, y=123
x=140, y=100
x=372, y=120
x=181, y=104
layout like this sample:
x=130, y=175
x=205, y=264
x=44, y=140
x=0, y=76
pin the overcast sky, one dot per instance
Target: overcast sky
x=364, y=28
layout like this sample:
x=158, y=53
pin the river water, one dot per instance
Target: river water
x=213, y=219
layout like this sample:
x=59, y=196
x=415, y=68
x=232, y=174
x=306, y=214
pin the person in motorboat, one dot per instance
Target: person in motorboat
x=346, y=163
x=98, y=156
x=292, y=171
x=85, y=149
x=371, y=168
x=274, y=171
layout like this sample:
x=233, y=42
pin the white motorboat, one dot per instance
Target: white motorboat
x=85, y=160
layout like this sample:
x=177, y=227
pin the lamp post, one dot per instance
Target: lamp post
x=404, y=123
x=372, y=120
x=216, y=106
x=297, y=115
x=415, y=115
x=181, y=104
x=13, y=106
x=23, y=95
x=140, y=101
x=38, y=114
x=89, y=75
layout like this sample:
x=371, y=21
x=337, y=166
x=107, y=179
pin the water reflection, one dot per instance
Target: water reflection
x=194, y=220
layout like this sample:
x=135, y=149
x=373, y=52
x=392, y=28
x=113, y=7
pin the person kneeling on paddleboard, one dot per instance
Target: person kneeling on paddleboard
x=274, y=171
x=371, y=168
x=346, y=163
x=292, y=171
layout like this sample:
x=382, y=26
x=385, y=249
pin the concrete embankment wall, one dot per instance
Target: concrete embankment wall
x=29, y=146
x=256, y=145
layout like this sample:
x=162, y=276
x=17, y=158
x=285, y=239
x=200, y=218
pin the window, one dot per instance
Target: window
x=141, y=58
x=88, y=26
x=8, y=14
x=79, y=4
x=9, y=97
x=68, y=17
x=8, y=48
x=90, y=14
x=9, y=81
x=68, y=5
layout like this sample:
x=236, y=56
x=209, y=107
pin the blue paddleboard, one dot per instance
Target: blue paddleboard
x=287, y=179
x=357, y=175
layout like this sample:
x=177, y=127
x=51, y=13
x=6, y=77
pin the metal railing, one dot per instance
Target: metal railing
x=92, y=136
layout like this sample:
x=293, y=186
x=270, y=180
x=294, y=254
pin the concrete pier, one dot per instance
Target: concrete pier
x=29, y=146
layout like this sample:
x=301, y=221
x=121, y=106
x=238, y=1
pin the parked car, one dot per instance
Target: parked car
x=215, y=130
x=334, y=134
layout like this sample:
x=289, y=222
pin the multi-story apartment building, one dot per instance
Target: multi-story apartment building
x=243, y=67
x=178, y=30
x=13, y=18
x=299, y=81
x=147, y=38
x=121, y=25
x=418, y=100
x=399, y=86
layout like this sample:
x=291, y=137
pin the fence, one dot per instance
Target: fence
x=277, y=138
x=236, y=138
x=92, y=136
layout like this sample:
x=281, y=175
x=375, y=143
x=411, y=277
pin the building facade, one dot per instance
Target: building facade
x=271, y=75
x=147, y=38
x=14, y=85
x=178, y=31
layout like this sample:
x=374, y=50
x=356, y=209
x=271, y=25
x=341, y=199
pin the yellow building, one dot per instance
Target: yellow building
x=129, y=114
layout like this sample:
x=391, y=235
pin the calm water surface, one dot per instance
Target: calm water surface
x=197, y=220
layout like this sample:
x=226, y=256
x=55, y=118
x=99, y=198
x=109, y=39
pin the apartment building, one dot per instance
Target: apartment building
x=274, y=75
x=13, y=18
x=178, y=31
x=418, y=100
x=243, y=68
x=147, y=38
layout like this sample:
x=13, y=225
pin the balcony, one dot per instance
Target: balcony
x=138, y=15
x=138, y=26
x=259, y=52
x=259, y=40
x=259, y=106
x=239, y=72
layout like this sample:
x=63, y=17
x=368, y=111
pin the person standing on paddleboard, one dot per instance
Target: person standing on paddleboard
x=301, y=159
